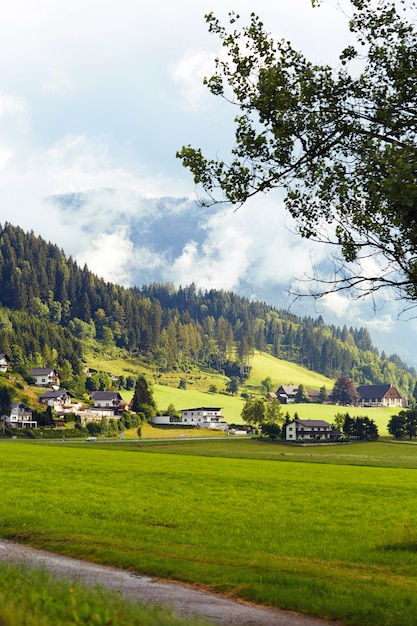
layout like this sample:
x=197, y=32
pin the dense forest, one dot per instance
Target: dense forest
x=50, y=308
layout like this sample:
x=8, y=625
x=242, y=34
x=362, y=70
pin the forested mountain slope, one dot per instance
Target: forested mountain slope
x=51, y=308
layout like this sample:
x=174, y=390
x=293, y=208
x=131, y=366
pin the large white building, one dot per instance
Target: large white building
x=311, y=430
x=204, y=417
x=20, y=416
x=201, y=417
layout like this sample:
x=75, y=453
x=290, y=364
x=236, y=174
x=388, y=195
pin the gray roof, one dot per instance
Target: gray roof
x=105, y=395
x=312, y=422
x=374, y=391
x=42, y=371
x=55, y=394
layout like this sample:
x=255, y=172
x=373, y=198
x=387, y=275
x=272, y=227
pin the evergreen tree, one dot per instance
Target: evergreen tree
x=143, y=401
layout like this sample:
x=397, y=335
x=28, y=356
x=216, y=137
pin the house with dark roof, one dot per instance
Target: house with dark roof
x=380, y=395
x=106, y=403
x=60, y=400
x=311, y=430
x=286, y=393
x=20, y=416
x=45, y=376
x=204, y=417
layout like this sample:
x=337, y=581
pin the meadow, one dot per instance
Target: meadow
x=165, y=389
x=325, y=530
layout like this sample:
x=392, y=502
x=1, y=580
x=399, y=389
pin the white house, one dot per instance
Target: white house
x=4, y=362
x=106, y=403
x=60, y=400
x=20, y=416
x=45, y=376
x=308, y=430
x=204, y=417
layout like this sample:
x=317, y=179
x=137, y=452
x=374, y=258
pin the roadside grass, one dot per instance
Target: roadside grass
x=33, y=597
x=171, y=432
x=332, y=537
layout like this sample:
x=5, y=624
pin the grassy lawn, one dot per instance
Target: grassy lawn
x=327, y=530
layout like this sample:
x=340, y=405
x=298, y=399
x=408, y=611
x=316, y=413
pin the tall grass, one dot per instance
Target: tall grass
x=329, y=539
x=32, y=597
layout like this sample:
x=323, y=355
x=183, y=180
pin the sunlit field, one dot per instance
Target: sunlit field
x=326, y=530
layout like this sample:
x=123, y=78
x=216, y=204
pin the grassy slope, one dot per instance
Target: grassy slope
x=284, y=373
x=198, y=382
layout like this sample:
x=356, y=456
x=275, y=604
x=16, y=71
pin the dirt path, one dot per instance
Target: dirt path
x=183, y=600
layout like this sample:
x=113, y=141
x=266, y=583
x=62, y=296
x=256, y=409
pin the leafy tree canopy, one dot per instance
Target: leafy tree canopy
x=340, y=142
x=344, y=391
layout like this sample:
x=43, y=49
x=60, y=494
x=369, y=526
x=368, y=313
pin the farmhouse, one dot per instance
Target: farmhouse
x=204, y=417
x=380, y=395
x=317, y=430
x=286, y=393
x=45, y=376
x=20, y=416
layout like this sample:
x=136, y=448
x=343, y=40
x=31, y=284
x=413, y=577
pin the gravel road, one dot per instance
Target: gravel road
x=181, y=599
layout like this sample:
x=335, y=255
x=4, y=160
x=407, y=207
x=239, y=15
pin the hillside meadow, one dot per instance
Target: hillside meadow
x=325, y=530
x=166, y=391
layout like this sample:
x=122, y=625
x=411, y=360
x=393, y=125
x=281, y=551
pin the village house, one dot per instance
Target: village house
x=45, y=376
x=287, y=394
x=380, y=395
x=204, y=417
x=20, y=416
x=4, y=362
x=311, y=430
x=60, y=400
x=106, y=403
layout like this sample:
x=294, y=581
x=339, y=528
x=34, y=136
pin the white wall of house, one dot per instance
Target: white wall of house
x=21, y=421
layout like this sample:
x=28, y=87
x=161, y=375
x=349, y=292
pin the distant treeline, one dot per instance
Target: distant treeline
x=51, y=307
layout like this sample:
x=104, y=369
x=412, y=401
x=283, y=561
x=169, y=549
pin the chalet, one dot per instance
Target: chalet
x=60, y=400
x=4, y=362
x=204, y=417
x=20, y=416
x=311, y=430
x=380, y=395
x=45, y=376
x=106, y=403
x=286, y=393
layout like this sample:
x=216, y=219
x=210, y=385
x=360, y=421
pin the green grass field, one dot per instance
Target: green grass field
x=326, y=530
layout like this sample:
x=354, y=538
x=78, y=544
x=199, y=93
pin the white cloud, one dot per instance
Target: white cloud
x=109, y=256
x=188, y=72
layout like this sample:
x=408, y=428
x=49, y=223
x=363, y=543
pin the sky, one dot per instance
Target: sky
x=98, y=95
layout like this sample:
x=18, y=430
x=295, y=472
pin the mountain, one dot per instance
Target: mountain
x=133, y=240
x=53, y=311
